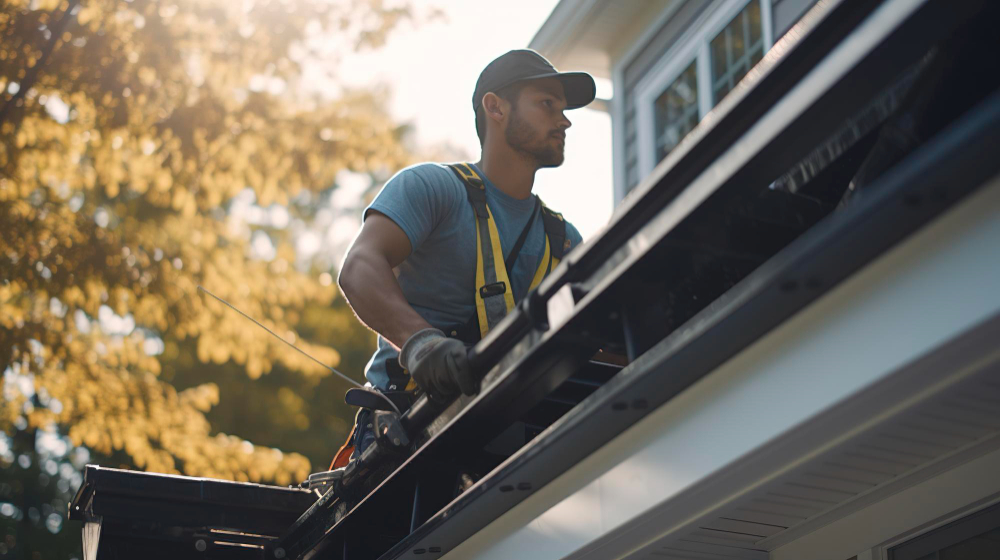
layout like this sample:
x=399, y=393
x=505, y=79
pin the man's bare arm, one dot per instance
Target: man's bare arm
x=369, y=284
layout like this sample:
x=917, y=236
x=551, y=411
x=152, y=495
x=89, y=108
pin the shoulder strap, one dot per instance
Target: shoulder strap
x=494, y=296
x=477, y=197
x=470, y=332
x=474, y=188
x=555, y=229
x=516, y=249
x=488, y=240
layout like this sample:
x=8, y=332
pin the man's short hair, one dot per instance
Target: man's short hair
x=509, y=94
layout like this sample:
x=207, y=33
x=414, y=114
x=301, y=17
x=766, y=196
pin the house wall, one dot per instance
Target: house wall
x=643, y=60
x=640, y=64
x=787, y=12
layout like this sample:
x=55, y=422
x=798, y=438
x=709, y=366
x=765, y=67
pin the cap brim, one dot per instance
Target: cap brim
x=579, y=87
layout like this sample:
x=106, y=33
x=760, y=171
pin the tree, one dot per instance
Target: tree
x=126, y=130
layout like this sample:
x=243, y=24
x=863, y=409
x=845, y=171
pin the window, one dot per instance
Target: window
x=736, y=49
x=974, y=537
x=704, y=64
x=676, y=111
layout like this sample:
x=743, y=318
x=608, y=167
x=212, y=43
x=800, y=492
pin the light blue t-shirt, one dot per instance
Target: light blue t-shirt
x=429, y=203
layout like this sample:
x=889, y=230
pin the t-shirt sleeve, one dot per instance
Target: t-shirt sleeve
x=573, y=235
x=417, y=199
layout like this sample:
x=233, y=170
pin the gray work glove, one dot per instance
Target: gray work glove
x=438, y=364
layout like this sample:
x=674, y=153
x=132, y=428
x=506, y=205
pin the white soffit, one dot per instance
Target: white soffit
x=586, y=34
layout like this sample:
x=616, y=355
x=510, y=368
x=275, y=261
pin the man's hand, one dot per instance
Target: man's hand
x=438, y=364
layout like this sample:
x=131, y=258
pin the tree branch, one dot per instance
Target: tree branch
x=31, y=76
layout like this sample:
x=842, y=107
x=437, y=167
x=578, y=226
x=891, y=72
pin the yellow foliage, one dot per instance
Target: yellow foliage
x=136, y=123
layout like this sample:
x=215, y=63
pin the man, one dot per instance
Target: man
x=411, y=274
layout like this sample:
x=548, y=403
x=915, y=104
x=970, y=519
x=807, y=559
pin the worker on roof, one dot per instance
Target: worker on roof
x=445, y=251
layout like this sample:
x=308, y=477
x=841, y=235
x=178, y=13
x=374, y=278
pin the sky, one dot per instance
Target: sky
x=431, y=70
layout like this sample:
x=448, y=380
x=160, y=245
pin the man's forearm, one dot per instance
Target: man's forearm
x=371, y=289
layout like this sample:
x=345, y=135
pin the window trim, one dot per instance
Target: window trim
x=619, y=100
x=957, y=531
x=881, y=551
x=692, y=45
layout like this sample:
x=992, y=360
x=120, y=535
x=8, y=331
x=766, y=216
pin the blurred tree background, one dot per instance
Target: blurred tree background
x=148, y=147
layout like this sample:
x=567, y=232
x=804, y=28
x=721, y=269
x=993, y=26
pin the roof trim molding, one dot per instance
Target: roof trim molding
x=567, y=20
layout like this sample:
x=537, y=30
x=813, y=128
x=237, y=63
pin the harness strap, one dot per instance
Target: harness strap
x=508, y=262
x=494, y=296
x=492, y=278
x=545, y=266
x=555, y=229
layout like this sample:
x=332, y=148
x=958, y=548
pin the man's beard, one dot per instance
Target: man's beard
x=522, y=137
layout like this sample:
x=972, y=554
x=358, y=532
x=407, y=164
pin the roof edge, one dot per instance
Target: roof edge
x=566, y=21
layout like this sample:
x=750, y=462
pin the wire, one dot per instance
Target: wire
x=300, y=351
x=275, y=335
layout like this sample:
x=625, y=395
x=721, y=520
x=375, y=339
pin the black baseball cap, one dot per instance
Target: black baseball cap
x=525, y=64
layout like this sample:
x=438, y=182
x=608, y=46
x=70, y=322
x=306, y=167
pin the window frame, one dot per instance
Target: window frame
x=692, y=45
x=657, y=132
x=940, y=538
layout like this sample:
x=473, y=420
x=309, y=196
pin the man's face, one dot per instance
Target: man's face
x=537, y=125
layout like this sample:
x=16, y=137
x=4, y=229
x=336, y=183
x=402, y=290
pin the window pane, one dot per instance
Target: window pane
x=974, y=537
x=676, y=111
x=718, y=57
x=736, y=49
x=986, y=545
x=735, y=32
x=753, y=17
x=721, y=89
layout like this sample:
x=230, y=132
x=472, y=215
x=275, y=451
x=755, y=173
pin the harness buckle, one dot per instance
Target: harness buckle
x=495, y=289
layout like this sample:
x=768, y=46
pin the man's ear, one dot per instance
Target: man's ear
x=493, y=106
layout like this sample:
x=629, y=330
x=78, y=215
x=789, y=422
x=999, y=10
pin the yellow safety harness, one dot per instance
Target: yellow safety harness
x=494, y=295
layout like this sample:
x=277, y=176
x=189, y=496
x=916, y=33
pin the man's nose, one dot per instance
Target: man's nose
x=564, y=122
